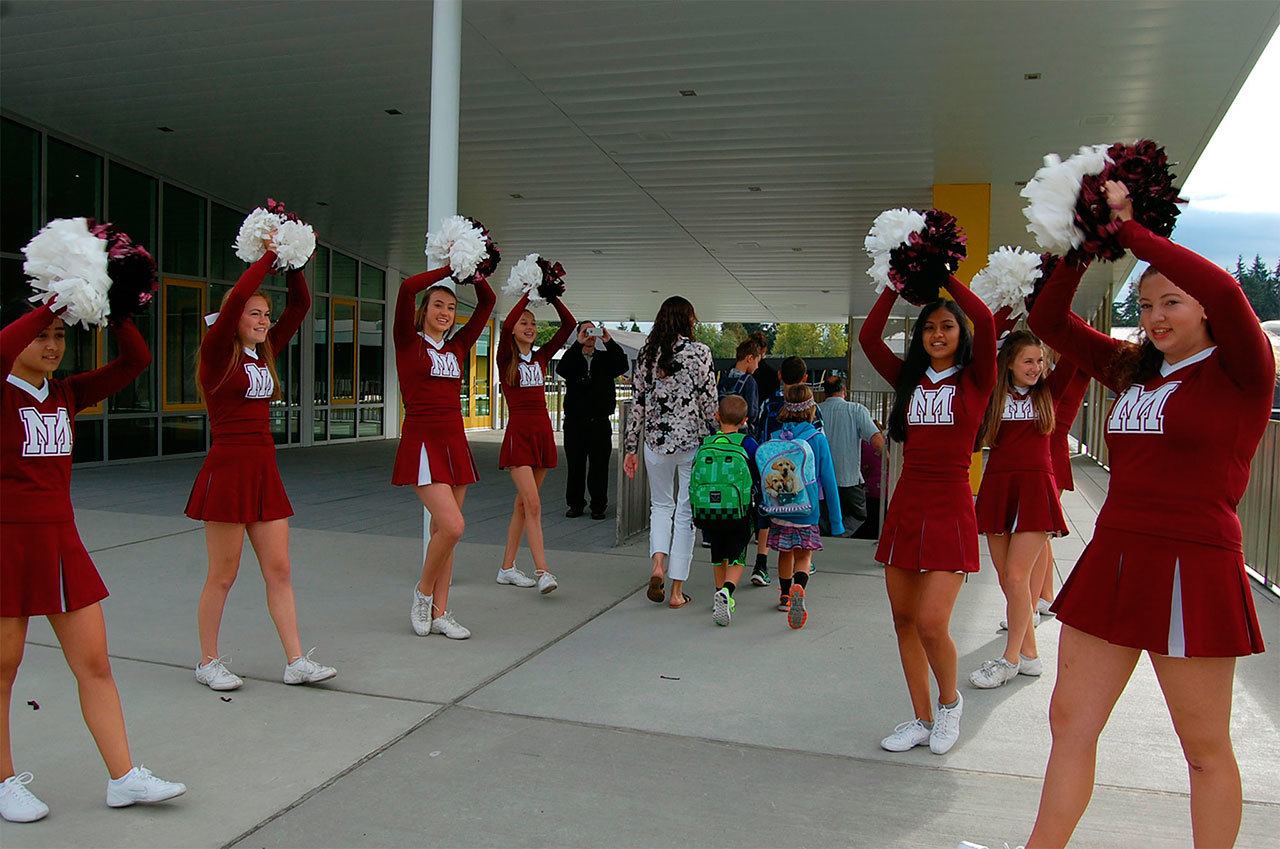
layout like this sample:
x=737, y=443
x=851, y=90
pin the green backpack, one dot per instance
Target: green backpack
x=720, y=483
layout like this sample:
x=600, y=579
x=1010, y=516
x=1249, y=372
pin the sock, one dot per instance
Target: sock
x=762, y=562
x=729, y=587
x=802, y=578
x=784, y=586
x=928, y=725
x=950, y=706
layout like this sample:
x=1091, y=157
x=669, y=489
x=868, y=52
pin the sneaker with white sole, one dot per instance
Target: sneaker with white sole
x=760, y=577
x=546, y=582
x=420, y=613
x=1035, y=622
x=797, y=611
x=304, y=670
x=447, y=625
x=722, y=605
x=216, y=676
x=946, y=727
x=906, y=736
x=17, y=803
x=1042, y=607
x=1031, y=666
x=140, y=786
x=994, y=673
x=515, y=578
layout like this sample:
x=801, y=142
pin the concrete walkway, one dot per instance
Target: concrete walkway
x=589, y=717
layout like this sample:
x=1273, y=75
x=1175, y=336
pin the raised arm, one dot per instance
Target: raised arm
x=404, y=332
x=1092, y=351
x=556, y=342
x=17, y=336
x=981, y=372
x=217, y=342
x=1004, y=323
x=90, y=387
x=1067, y=401
x=505, y=349
x=871, y=338
x=485, y=299
x=296, y=310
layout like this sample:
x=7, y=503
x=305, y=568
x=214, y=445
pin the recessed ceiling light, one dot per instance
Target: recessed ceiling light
x=1019, y=183
x=653, y=291
x=322, y=203
x=393, y=111
x=1097, y=120
x=165, y=129
x=688, y=92
x=597, y=252
x=825, y=291
x=516, y=195
x=748, y=244
x=797, y=250
x=1031, y=76
x=754, y=189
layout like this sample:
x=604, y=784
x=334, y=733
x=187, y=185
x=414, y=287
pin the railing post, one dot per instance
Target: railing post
x=632, y=493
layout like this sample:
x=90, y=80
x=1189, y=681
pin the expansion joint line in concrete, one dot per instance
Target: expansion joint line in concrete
x=148, y=539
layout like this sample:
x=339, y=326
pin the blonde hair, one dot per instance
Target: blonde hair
x=1041, y=399
x=798, y=394
x=265, y=353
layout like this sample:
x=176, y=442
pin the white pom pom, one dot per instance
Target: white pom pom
x=1053, y=192
x=68, y=265
x=524, y=277
x=259, y=225
x=1010, y=276
x=891, y=229
x=458, y=244
x=295, y=243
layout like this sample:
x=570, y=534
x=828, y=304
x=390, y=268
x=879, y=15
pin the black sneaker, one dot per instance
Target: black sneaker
x=598, y=514
x=573, y=512
x=760, y=577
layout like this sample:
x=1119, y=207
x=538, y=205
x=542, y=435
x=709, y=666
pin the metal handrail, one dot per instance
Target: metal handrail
x=1259, y=510
x=633, y=493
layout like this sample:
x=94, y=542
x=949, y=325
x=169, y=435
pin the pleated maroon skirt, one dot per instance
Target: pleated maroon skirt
x=930, y=527
x=45, y=569
x=239, y=484
x=1010, y=502
x=435, y=452
x=529, y=441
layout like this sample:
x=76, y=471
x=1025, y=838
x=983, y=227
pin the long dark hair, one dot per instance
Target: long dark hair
x=675, y=318
x=917, y=360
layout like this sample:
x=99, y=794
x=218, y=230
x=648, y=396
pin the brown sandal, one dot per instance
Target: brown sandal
x=656, y=593
x=687, y=598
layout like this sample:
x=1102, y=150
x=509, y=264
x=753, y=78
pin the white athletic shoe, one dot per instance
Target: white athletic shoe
x=721, y=609
x=216, y=676
x=515, y=578
x=906, y=736
x=304, y=670
x=139, y=785
x=17, y=803
x=546, y=582
x=1032, y=666
x=447, y=625
x=1035, y=622
x=946, y=727
x=1042, y=607
x=420, y=613
x=994, y=673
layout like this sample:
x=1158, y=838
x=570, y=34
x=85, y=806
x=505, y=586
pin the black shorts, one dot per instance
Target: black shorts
x=729, y=539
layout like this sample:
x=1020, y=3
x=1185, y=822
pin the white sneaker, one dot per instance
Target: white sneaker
x=420, y=613
x=1032, y=666
x=994, y=673
x=139, y=785
x=447, y=625
x=515, y=578
x=721, y=612
x=216, y=676
x=17, y=803
x=546, y=582
x=304, y=670
x=906, y=736
x=946, y=727
x=1042, y=607
x=1035, y=622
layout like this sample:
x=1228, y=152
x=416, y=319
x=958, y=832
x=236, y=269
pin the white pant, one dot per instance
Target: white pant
x=670, y=516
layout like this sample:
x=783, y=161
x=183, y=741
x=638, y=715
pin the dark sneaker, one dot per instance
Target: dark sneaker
x=573, y=512
x=759, y=577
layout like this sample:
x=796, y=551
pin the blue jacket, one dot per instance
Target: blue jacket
x=826, y=475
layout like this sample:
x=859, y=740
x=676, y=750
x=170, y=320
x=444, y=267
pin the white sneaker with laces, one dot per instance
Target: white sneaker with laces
x=304, y=670
x=420, y=613
x=946, y=727
x=1035, y=622
x=140, y=785
x=17, y=803
x=994, y=673
x=447, y=625
x=546, y=582
x=1042, y=607
x=515, y=578
x=216, y=676
x=906, y=736
x=1031, y=666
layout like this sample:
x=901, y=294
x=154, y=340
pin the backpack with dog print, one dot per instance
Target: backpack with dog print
x=787, y=470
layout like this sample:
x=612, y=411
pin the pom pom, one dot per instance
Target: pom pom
x=1048, y=262
x=1008, y=280
x=254, y=232
x=295, y=243
x=458, y=244
x=891, y=229
x=1053, y=193
x=551, y=286
x=132, y=271
x=921, y=261
x=68, y=265
x=525, y=276
x=489, y=263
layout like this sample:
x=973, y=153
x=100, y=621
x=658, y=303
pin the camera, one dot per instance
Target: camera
x=597, y=332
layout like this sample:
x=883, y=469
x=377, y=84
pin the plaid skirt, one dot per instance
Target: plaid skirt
x=793, y=537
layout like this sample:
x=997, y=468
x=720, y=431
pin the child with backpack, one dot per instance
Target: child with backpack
x=722, y=486
x=795, y=467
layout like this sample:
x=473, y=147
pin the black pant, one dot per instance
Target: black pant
x=853, y=510
x=588, y=445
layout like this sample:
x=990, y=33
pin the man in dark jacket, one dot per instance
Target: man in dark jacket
x=589, y=370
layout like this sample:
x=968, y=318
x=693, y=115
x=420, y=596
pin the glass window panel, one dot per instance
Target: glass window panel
x=342, y=424
x=182, y=434
x=481, y=388
x=373, y=282
x=132, y=204
x=320, y=425
x=73, y=182
x=371, y=421
x=465, y=395
x=217, y=291
x=344, y=351
x=345, y=270
x=87, y=444
x=183, y=321
x=295, y=432
x=128, y=438
x=13, y=283
x=280, y=425
x=320, y=338
x=371, y=363
x=19, y=185
x=139, y=396
x=294, y=394
x=318, y=270
x=224, y=226
x=183, y=249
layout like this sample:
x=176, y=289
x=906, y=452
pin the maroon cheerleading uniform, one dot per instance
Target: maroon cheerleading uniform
x=529, y=440
x=239, y=482
x=1066, y=405
x=1165, y=569
x=433, y=442
x=930, y=524
x=45, y=568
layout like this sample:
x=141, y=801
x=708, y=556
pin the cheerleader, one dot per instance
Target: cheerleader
x=930, y=537
x=1164, y=572
x=434, y=456
x=238, y=490
x=1017, y=507
x=46, y=570
x=529, y=447
x=1067, y=405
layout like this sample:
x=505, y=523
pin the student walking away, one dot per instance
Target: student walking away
x=589, y=369
x=740, y=380
x=872, y=474
x=848, y=426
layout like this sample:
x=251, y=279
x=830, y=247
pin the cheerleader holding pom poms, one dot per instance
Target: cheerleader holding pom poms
x=434, y=456
x=238, y=490
x=529, y=446
x=85, y=274
x=930, y=537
